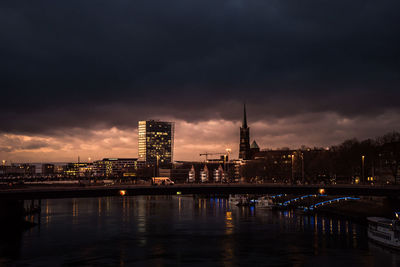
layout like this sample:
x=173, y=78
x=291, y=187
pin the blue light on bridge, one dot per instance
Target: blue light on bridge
x=316, y=205
x=275, y=196
x=300, y=198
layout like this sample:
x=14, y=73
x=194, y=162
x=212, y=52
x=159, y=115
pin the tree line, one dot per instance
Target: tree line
x=353, y=161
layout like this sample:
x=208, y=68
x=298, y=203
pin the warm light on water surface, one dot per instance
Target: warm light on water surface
x=186, y=230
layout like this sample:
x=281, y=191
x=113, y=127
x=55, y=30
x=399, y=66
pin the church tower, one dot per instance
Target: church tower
x=244, y=148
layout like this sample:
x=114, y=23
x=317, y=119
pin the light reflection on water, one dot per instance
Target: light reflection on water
x=190, y=230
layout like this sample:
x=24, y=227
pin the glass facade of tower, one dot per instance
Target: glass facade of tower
x=156, y=140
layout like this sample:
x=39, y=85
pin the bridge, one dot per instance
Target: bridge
x=330, y=201
x=47, y=192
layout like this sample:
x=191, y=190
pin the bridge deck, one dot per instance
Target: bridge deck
x=43, y=192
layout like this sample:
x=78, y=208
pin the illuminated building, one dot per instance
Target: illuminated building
x=204, y=174
x=116, y=167
x=47, y=169
x=192, y=175
x=196, y=171
x=218, y=174
x=74, y=169
x=18, y=170
x=156, y=142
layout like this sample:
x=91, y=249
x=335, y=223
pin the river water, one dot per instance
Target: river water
x=184, y=230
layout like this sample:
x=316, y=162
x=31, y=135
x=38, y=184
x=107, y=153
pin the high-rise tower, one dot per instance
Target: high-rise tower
x=156, y=142
x=244, y=148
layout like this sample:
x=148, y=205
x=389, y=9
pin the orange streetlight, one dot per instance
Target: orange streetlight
x=228, y=151
x=362, y=165
x=293, y=166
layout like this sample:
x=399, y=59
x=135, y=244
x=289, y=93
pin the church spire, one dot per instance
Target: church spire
x=244, y=117
x=244, y=147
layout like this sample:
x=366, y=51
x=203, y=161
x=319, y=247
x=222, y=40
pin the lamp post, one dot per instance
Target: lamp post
x=362, y=169
x=302, y=167
x=158, y=158
x=228, y=151
x=224, y=170
x=90, y=169
x=292, y=167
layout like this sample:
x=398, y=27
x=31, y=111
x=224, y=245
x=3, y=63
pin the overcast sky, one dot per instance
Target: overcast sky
x=76, y=76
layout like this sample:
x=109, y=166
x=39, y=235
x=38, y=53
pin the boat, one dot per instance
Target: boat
x=242, y=200
x=385, y=231
x=262, y=202
x=238, y=200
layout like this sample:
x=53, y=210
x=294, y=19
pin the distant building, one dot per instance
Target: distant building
x=192, y=175
x=228, y=171
x=116, y=167
x=292, y=165
x=254, y=149
x=204, y=174
x=19, y=170
x=156, y=142
x=74, y=169
x=280, y=157
x=59, y=170
x=177, y=175
x=244, y=147
x=219, y=174
x=47, y=169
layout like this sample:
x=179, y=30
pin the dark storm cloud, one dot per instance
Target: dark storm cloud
x=12, y=143
x=92, y=64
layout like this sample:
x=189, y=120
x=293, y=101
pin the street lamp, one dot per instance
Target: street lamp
x=302, y=167
x=362, y=168
x=228, y=151
x=158, y=158
x=293, y=167
x=225, y=157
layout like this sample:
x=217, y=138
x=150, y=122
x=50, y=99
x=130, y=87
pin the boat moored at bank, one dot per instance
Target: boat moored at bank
x=385, y=231
x=248, y=200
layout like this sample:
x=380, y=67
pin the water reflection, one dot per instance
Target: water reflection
x=147, y=230
x=99, y=206
x=228, y=223
x=180, y=205
x=315, y=224
x=141, y=222
x=354, y=231
x=75, y=210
